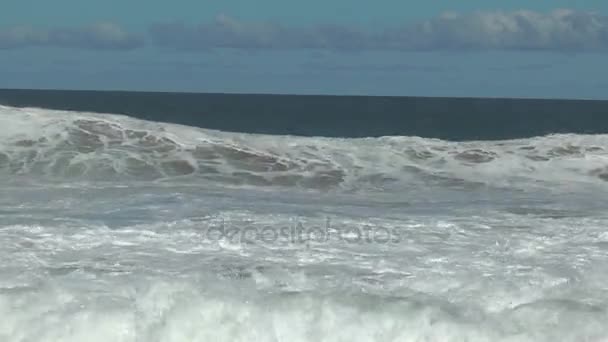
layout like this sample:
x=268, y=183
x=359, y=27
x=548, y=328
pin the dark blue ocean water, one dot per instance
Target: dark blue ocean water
x=336, y=116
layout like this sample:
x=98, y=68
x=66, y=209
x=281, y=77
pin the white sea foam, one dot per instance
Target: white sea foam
x=117, y=229
x=109, y=147
x=446, y=280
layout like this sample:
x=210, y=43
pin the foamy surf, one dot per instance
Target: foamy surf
x=179, y=312
x=118, y=229
x=91, y=146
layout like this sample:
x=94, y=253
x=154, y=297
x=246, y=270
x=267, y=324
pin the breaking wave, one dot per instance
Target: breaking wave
x=179, y=312
x=103, y=147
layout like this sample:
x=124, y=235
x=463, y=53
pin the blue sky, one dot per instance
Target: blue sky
x=553, y=49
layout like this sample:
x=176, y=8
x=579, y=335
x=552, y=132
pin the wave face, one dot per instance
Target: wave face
x=86, y=146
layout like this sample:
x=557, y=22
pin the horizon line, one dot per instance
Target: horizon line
x=303, y=94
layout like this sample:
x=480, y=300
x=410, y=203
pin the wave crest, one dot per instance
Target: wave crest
x=87, y=146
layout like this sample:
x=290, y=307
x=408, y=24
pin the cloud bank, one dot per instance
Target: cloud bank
x=559, y=30
x=102, y=36
x=519, y=30
x=226, y=32
x=562, y=30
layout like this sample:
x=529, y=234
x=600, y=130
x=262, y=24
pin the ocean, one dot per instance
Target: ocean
x=216, y=217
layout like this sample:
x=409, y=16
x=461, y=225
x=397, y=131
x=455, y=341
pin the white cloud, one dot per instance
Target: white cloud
x=103, y=36
x=519, y=30
x=227, y=32
x=559, y=30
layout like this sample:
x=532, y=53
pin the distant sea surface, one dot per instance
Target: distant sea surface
x=173, y=217
x=336, y=116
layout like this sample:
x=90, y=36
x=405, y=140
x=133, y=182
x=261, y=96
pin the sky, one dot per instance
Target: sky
x=546, y=49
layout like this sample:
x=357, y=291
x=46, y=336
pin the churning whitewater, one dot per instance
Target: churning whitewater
x=119, y=229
